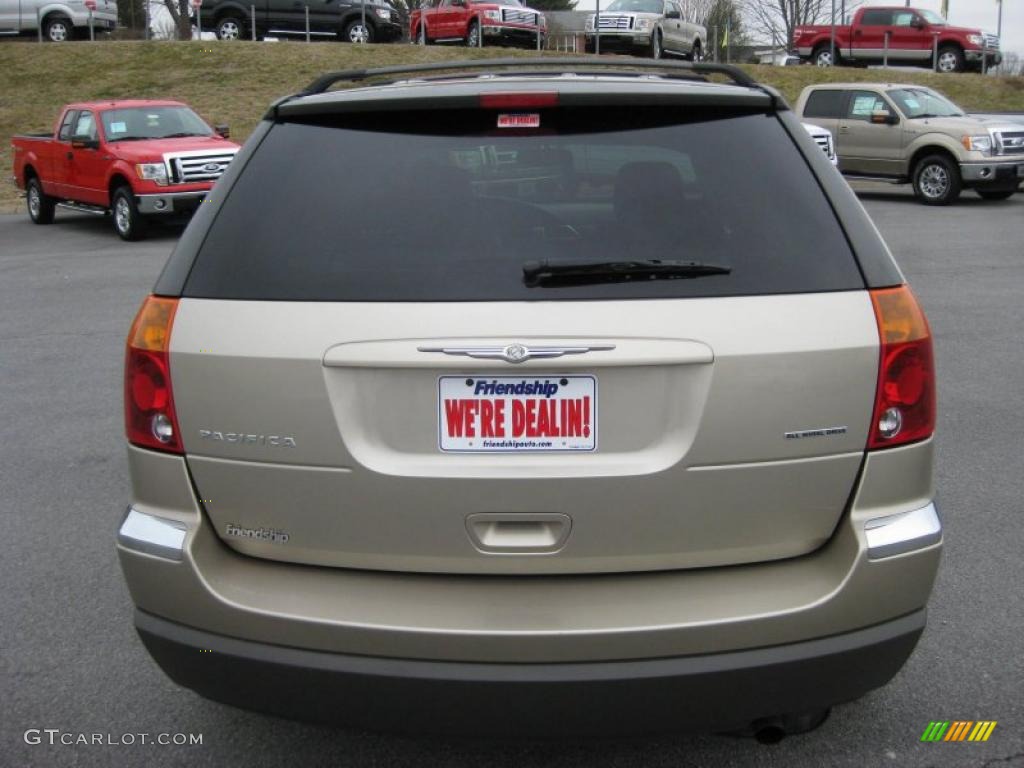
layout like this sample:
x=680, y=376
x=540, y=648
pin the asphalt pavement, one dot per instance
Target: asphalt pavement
x=70, y=661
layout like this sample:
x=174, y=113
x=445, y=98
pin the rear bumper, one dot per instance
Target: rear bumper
x=358, y=646
x=712, y=691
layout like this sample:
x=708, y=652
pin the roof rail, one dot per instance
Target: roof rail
x=737, y=75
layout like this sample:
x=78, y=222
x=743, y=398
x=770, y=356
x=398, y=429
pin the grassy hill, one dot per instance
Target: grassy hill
x=233, y=83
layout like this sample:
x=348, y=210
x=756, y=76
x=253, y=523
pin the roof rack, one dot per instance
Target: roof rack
x=737, y=75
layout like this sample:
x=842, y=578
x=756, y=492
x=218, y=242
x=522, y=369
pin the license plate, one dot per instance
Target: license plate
x=517, y=414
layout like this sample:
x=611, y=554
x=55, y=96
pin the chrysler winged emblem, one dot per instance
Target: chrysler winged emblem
x=516, y=352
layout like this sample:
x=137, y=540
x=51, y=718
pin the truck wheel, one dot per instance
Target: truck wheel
x=58, y=29
x=996, y=194
x=128, y=222
x=696, y=53
x=230, y=28
x=40, y=205
x=355, y=32
x=936, y=180
x=822, y=56
x=656, y=49
x=951, y=59
x=473, y=35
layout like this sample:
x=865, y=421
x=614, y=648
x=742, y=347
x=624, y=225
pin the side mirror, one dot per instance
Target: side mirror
x=222, y=131
x=459, y=3
x=917, y=22
x=84, y=142
x=884, y=118
x=672, y=15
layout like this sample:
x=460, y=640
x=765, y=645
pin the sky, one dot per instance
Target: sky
x=962, y=13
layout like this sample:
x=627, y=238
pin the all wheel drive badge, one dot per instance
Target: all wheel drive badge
x=515, y=353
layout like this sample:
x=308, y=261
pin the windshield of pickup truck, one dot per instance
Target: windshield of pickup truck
x=136, y=123
x=932, y=18
x=920, y=102
x=636, y=6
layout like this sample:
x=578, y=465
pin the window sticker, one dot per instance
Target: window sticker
x=519, y=121
x=863, y=106
x=912, y=103
x=118, y=127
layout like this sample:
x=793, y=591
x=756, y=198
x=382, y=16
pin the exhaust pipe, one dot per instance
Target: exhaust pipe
x=772, y=730
x=769, y=731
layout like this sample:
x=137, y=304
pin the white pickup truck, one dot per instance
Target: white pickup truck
x=654, y=27
x=61, y=20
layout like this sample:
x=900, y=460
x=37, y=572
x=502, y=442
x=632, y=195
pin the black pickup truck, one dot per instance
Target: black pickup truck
x=344, y=19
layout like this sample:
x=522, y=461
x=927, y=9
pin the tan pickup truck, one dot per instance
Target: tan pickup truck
x=909, y=134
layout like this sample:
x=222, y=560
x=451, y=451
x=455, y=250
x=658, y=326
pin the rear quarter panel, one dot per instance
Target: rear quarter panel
x=37, y=153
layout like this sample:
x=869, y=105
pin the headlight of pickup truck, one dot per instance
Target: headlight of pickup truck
x=642, y=25
x=981, y=144
x=156, y=172
x=384, y=13
x=978, y=40
x=492, y=15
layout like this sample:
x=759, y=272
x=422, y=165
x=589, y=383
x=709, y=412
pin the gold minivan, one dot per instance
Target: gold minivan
x=546, y=397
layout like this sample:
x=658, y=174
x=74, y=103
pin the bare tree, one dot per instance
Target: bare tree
x=709, y=12
x=697, y=10
x=179, y=10
x=775, y=20
x=1012, y=64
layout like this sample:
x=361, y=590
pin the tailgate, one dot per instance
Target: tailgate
x=318, y=433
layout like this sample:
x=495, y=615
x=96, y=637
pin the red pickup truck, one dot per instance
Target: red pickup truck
x=134, y=159
x=903, y=35
x=501, y=22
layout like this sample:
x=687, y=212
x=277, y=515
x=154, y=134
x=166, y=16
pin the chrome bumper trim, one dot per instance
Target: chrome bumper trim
x=164, y=203
x=905, y=532
x=988, y=171
x=995, y=57
x=152, y=535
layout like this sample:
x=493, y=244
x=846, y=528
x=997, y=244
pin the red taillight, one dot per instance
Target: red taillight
x=149, y=416
x=519, y=100
x=905, y=401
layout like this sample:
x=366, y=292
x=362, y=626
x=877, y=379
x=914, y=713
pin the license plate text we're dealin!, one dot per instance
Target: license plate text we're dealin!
x=515, y=414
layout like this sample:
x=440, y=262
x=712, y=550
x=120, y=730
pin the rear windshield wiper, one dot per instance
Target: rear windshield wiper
x=536, y=273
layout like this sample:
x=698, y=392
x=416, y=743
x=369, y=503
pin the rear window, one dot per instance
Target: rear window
x=876, y=18
x=826, y=103
x=448, y=207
